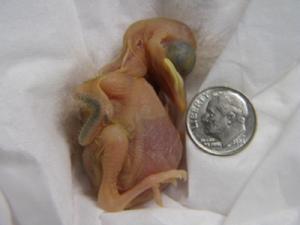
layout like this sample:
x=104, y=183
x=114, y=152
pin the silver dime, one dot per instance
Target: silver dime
x=221, y=120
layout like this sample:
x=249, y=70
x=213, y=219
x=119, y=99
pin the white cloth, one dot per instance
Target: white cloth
x=49, y=47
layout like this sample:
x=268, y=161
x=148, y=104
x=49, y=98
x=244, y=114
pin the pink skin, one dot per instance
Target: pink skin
x=131, y=147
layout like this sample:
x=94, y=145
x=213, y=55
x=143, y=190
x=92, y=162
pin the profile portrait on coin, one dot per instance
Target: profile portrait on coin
x=225, y=117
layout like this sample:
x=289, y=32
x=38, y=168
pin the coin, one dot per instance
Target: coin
x=221, y=120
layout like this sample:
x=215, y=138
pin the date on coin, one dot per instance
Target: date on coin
x=221, y=121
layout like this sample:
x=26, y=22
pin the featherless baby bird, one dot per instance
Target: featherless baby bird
x=131, y=147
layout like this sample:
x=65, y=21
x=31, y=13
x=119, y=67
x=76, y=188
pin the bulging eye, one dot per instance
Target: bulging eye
x=182, y=55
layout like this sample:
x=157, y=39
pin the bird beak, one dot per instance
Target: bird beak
x=174, y=87
x=178, y=61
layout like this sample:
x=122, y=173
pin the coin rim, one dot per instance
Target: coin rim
x=213, y=152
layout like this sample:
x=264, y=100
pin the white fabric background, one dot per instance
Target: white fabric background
x=49, y=47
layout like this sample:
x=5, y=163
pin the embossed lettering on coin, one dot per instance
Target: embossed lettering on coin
x=221, y=120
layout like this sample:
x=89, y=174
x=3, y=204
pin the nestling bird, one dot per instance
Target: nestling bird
x=131, y=147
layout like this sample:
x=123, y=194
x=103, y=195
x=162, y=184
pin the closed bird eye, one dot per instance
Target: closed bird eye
x=139, y=44
x=182, y=55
